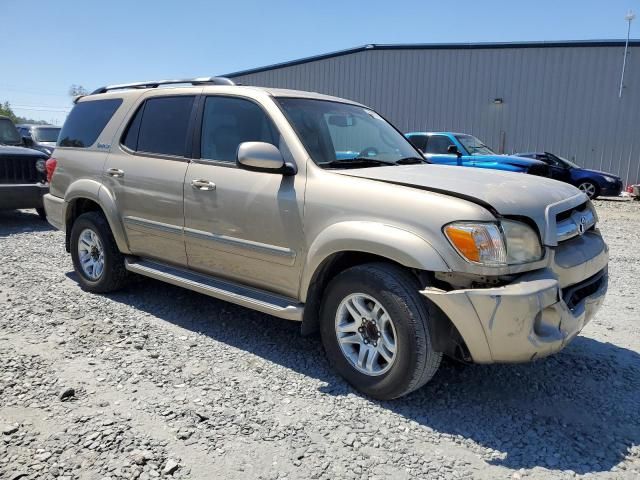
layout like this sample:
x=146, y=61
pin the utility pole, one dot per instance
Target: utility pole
x=629, y=17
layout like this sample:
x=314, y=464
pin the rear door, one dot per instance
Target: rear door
x=145, y=174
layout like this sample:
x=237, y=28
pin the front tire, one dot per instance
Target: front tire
x=96, y=258
x=375, y=330
x=590, y=189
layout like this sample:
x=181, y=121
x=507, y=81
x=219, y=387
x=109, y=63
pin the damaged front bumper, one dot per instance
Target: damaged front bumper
x=536, y=315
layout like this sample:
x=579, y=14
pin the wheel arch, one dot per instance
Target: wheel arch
x=348, y=244
x=89, y=195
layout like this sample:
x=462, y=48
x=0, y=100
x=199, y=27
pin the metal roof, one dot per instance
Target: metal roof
x=439, y=46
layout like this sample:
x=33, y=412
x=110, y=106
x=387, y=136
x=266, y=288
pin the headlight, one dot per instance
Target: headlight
x=41, y=166
x=522, y=242
x=609, y=179
x=493, y=244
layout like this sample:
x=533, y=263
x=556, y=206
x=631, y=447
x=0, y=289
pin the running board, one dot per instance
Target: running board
x=249, y=297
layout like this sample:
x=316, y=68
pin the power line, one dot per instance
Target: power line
x=27, y=105
x=31, y=92
x=61, y=110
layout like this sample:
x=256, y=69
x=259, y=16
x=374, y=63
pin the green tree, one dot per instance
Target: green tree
x=75, y=90
x=7, y=111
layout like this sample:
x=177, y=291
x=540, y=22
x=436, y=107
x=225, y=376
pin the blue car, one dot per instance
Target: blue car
x=447, y=148
x=592, y=182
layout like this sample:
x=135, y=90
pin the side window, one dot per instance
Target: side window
x=163, y=125
x=86, y=121
x=419, y=141
x=227, y=122
x=133, y=130
x=438, y=144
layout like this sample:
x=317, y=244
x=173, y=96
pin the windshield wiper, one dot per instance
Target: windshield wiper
x=410, y=161
x=356, y=162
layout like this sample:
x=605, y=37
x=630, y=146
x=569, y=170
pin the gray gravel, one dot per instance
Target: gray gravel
x=159, y=382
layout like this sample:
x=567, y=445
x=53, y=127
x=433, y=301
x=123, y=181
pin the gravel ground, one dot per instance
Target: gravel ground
x=156, y=381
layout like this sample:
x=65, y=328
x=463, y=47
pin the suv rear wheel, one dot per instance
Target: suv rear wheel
x=96, y=258
x=375, y=330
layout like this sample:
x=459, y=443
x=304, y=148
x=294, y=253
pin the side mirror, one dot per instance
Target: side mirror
x=27, y=141
x=453, y=150
x=261, y=157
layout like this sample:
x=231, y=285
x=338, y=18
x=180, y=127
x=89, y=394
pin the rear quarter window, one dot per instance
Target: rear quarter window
x=86, y=121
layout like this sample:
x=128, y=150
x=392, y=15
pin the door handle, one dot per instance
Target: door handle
x=115, y=172
x=205, y=185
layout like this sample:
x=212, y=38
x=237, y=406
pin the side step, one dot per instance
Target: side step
x=249, y=297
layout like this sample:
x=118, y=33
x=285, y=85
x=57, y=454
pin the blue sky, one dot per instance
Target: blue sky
x=49, y=45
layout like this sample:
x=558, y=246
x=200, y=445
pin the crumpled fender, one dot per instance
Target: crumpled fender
x=386, y=241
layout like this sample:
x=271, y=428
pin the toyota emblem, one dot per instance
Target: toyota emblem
x=582, y=226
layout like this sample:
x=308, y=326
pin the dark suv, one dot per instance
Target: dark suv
x=23, y=179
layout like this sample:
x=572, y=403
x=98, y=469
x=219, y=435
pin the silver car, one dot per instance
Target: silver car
x=316, y=209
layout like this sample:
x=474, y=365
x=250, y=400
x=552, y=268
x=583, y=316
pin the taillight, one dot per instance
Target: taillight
x=51, y=165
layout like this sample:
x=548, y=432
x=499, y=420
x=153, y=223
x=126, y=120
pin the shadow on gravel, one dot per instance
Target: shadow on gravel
x=578, y=410
x=21, y=221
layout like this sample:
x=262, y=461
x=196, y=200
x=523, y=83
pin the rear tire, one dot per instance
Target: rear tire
x=402, y=352
x=96, y=258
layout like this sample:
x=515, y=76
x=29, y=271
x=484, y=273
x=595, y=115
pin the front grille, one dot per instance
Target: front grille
x=567, y=213
x=574, y=222
x=19, y=169
x=541, y=170
x=575, y=294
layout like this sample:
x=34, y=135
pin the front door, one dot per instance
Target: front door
x=145, y=175
x=437, y=150
x=242, y=225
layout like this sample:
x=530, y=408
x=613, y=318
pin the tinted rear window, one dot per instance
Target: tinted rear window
x=86, y=121
x=164, y=125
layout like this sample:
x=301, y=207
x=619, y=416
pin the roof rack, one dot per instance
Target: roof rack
x=155, y=84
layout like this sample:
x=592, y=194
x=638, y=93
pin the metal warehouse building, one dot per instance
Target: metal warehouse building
x=561, y=97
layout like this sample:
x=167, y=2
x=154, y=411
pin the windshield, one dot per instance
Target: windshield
x=567, y=163
x=9, y=134
x=335, y=133
x=46, y=134
x=474, y=146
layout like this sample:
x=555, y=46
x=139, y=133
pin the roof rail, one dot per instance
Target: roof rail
x=155, y=84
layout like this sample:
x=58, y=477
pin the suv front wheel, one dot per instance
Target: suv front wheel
x=375, y=330
x=96, y=258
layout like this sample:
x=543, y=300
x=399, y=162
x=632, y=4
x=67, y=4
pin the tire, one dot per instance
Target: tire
x=41, y=213
x=113, y=275
x=396, y=292
x=590, y=188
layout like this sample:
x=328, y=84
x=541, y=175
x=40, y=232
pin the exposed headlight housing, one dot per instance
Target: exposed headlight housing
x=523, y=245
x=495, y=244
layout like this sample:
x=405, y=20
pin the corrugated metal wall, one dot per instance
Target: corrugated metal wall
x=561, y=99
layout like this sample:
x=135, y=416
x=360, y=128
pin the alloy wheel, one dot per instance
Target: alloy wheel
x=366, y=334
x=588, y=188
x=91, y=254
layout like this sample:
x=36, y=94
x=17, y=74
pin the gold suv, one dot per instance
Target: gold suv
x=316, y=209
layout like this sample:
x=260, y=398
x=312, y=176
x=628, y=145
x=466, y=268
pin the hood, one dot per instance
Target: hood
x=510, y=159
x=506, y=193
x=598, y=172
x=20, y=151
